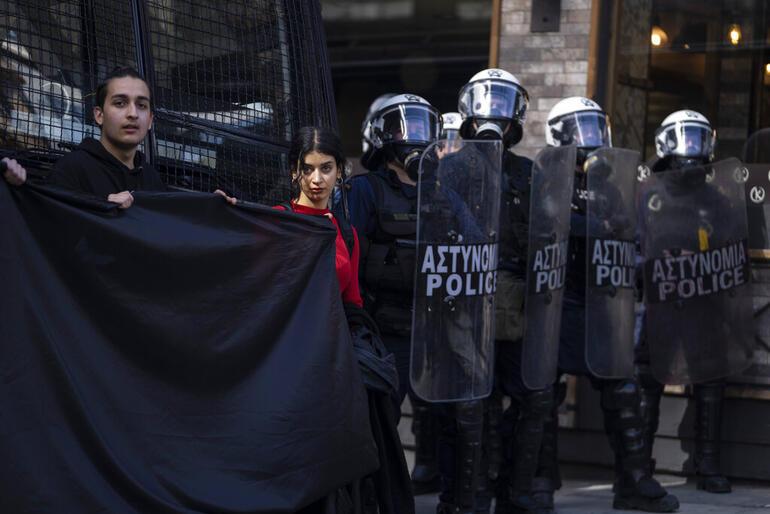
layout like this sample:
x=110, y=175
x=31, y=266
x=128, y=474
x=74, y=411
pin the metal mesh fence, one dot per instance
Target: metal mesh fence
x=231, y=81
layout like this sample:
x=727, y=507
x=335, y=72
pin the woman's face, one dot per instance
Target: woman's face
x=317, y=177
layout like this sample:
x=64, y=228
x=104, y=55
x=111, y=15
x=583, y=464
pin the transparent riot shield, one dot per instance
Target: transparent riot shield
x=756, y=149
x=611, y=178
x=699, y=318
x=549, y=224
x=756, y=159
x=456, y=271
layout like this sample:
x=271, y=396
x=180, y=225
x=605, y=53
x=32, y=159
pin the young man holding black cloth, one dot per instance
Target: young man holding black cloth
x=111, y=167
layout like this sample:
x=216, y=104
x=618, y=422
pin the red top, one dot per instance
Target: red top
x=347, y=265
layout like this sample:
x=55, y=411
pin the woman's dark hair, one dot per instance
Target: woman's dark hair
x=314, y=139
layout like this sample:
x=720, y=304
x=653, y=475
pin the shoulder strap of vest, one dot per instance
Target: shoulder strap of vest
x=378, y=182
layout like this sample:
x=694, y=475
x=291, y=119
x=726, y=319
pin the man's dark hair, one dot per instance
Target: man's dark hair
x=117, y=73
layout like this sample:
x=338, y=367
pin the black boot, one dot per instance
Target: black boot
x=651, y=390
x=425, y=475
x=548, y=477
x=483, y=500
x=469, y=417
x=542, y=494
x=509, y=419
x=450, y=508
x=491, y=452
x=493, y=435
x=635, y=487
x=527, y=438
x=708, y=436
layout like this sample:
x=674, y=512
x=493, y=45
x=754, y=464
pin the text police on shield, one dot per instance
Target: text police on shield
x=458, y=270
x=679, y=277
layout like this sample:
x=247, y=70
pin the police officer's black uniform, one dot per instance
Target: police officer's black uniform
x=383, y=208
x=530, y=410
x=708, y=395
x=620, y=398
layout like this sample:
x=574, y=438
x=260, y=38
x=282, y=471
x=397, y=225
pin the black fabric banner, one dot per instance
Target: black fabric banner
x=180, y=356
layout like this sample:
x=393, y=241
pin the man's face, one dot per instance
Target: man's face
x=692, y=143
x=591, y=134
x=126, y=116
x=498, y=105
x=418, y=130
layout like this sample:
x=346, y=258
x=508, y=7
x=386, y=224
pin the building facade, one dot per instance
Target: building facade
x=641, y=60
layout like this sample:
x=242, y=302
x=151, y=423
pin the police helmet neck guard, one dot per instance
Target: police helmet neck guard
x=681, y=163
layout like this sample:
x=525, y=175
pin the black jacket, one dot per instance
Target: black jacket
x=389, y=489
x=91, y=169
x=514, y=214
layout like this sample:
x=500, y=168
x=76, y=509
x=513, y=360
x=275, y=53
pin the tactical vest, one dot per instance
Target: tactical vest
x=514, y=214
x=512, y=257
x=390, y=261
x=575, y=284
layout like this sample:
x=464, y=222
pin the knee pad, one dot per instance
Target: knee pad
x=470, y=416
x=538, y=403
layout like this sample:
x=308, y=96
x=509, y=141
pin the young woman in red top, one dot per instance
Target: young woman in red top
x=317, y=166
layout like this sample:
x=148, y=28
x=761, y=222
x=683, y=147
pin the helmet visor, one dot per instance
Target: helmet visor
x=410, y=124
x=450, y=134
x=688, y=139
x=493, y=99
x=587, y=129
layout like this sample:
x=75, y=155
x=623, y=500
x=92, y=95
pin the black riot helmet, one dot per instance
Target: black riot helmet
x=403, y=127
x=493, y=105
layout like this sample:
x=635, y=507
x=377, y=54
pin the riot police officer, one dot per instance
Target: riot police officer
x=425, y=474
x=450, y=125
x=425, y=477
x=493, y=105
x=685, y=140
x=580, y=121
x=382, y=206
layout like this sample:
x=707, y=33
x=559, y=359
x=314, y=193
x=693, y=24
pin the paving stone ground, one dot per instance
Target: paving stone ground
x=588, y=490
